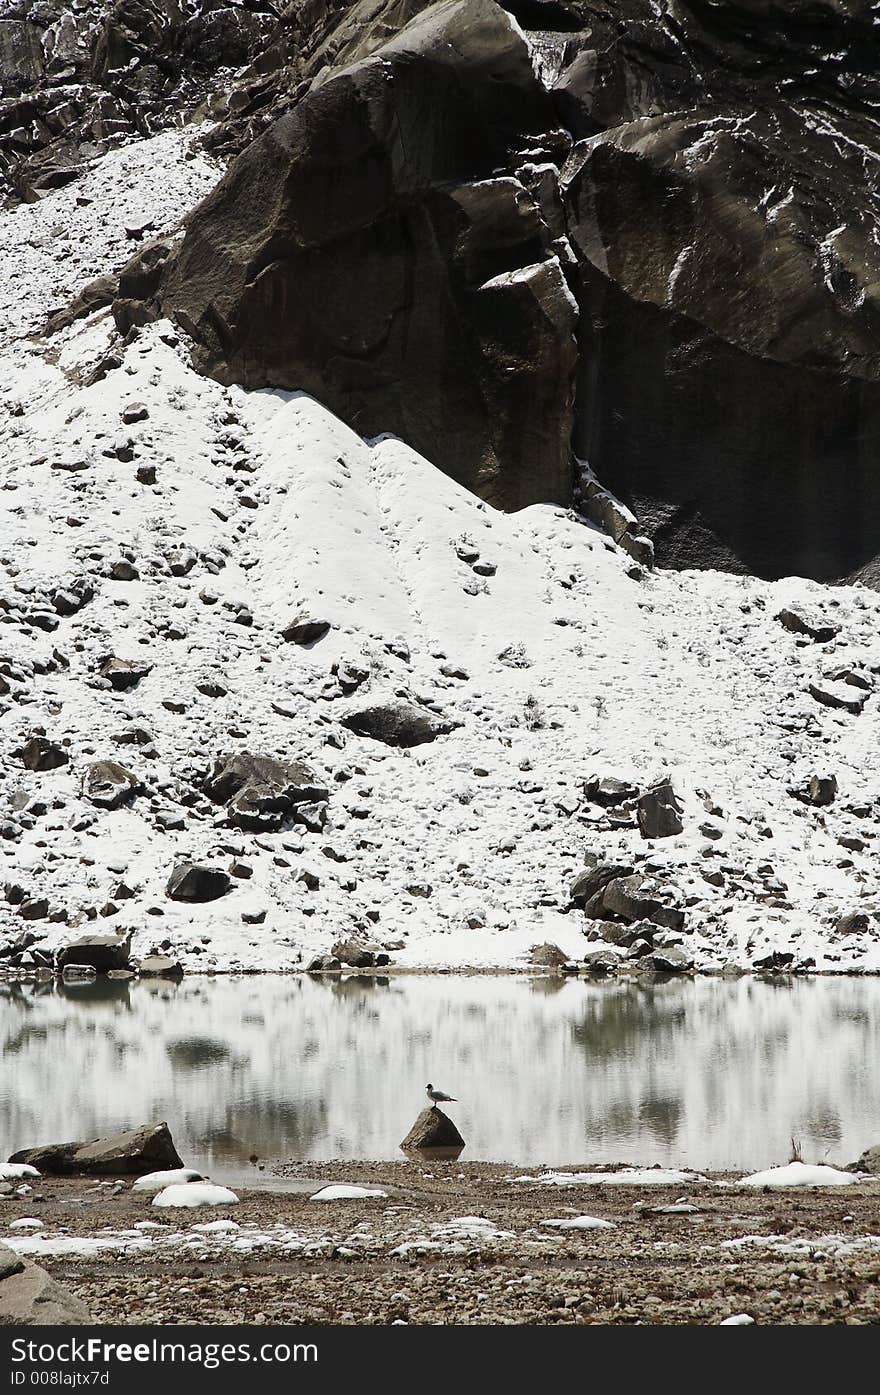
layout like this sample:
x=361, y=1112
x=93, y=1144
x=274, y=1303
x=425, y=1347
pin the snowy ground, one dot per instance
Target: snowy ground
x=560, y=665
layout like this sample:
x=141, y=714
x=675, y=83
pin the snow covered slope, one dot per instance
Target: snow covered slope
x=208, y=520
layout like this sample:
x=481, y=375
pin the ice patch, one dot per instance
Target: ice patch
x=798, y=1174
x=13, y=1172
x=629, y=1176
x=346, y=1192
x=155, y=1181
x=196, y=1194
x=581, y=1223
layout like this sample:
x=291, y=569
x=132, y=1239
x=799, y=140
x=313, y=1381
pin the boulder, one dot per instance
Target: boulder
x=123, y=674
x=305, y=629
x=868, y=1162
x=39, y=753
x=29, y=1297
x=822, y=790
x=109, y=784
x=671, y=960
x=193, y=881
x=261, y=792
x=587, y=883
x=99, y=952
x=609, y=792
x=323, y=964
x=433, y=1129
x=548, y=956
x=659, y=812
x=354, y=955
x=143, y=1149
x=777, y=961
x=798, y=624
x=159, y=966
x=601, y=961
x=828, y=697
x=399, y=723
x=853, y=923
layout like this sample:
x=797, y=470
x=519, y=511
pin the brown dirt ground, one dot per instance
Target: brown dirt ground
x=651, y=1268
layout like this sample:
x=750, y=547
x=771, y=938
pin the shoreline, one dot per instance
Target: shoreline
x=458, y=1242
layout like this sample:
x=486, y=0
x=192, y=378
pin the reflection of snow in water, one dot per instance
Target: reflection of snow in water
x=710, y=1073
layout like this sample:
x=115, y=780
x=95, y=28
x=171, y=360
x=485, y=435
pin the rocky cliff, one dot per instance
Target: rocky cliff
x=634, y=234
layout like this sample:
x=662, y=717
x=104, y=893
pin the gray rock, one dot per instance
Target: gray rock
x=123, y=674
x=100, y=952
x=659, y=812
x=868, y=1162
x=29, y=1297
x=587, y=883
x=262, y=792
x=193, y=881
x=160, y=966
x=548, y=956
x=610, y=792
x=143, y=1149
x=399, y=723
x=39, y=753
x=432, y=1129
x=305, y=629
x=828, y=698
x=671, y=960
x=109, y=784
x=798, y=624
x=351, y=953
x=854, y=923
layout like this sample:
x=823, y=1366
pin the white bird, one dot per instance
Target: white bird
x=439, y=1097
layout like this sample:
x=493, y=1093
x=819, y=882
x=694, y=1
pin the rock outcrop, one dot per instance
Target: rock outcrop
x=389, y=247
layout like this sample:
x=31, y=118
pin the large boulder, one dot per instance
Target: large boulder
x=131, y=1151
x=100, y=952
x=39, y=753
x=659, y=812
x=592, y=879
x=261, y=792
x=193, y=881
x=388, y=247
x=29, y=1297
x=399, y=723
x=433, y=1129
x=109, y=784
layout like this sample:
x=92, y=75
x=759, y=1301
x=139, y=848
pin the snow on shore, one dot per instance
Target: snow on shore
x=558, y=663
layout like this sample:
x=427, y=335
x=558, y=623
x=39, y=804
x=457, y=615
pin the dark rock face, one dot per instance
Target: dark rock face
x=261, y=792
x=721, y=211
x=130, y=1151
x=377, y=248
x=433, y=1129
x=400, y=238
x=74, y=79
x=399, y=723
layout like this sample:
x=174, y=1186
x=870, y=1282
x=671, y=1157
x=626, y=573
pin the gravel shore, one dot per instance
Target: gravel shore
x=456, y=1242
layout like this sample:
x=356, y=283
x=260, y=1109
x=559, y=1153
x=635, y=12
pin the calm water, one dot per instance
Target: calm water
x=712, y=1073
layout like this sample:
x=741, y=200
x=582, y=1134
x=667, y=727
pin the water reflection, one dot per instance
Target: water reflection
x=716, y=1073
